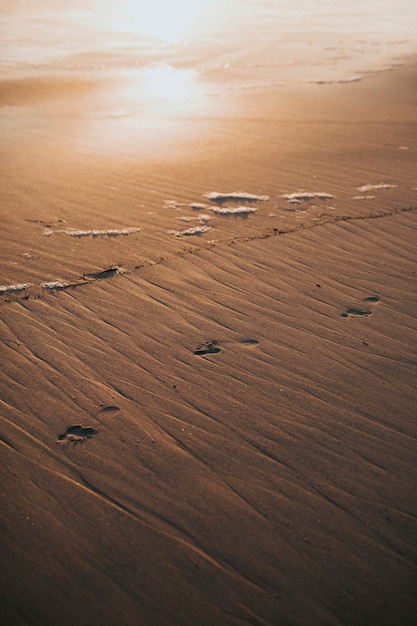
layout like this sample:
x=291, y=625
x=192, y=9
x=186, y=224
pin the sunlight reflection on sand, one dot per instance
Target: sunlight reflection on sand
x=148, y=105
x=168, y=88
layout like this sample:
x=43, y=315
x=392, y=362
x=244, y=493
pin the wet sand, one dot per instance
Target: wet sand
x=215, y=428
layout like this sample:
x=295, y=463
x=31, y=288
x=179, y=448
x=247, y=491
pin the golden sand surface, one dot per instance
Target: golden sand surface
x=215, y=428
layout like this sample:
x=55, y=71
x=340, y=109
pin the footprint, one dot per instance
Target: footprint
x=213, y=346
x=109, y=409
x=108, y=273
x=76, y=434
x=250, y=343
x=208, y=347
x=357, y=313
x=365, y=312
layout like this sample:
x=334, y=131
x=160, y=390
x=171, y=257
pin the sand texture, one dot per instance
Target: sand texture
x=217, y=427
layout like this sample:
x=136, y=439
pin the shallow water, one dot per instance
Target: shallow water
x=101, y=75
x=246, y=40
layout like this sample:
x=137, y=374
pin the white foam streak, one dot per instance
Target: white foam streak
x=14, y=288
x=239, y=196
x=306, y=196
x=54, y=285
x=72, y=232
x=197, y=230
x=240, y=210
x=203, y=218
x=173, y=204
x=365, y=188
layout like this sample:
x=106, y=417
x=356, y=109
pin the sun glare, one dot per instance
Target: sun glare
x=168, y=22
x=151, y=105
x=173, y=86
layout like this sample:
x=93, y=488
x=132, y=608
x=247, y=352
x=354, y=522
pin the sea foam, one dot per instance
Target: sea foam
x=54, y=285
x=73, y=232
x=307, y=196
x=197, y=230
x=239, y=196
x=14, y=288
x=239, y=210
x=201, y=219
x=173, y=204
x=378, y=186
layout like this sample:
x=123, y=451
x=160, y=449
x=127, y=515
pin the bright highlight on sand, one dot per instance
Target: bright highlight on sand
x=173, y=87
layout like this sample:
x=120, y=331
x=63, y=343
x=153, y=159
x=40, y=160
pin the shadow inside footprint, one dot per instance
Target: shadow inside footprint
x=110, y=409
x=108, y=273
x=208, y=347
x=249, y=343
x=372, y=299
x=357, y=313
x=76, y=434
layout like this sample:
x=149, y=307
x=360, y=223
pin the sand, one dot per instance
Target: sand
x=214, y=428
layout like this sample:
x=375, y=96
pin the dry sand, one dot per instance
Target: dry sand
x=218, y=429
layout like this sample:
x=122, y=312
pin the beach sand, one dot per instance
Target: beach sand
x=218, y=428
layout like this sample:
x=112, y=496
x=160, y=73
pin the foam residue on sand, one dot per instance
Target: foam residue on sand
x=14, y=288
x=218, y=198
x=239, y=196
x=365, y=188
x=201, y=219
x=112, y=232
x=196, y=230
x=299, y=196
x=173, y=204
x=55, y=285
x=239, y=210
